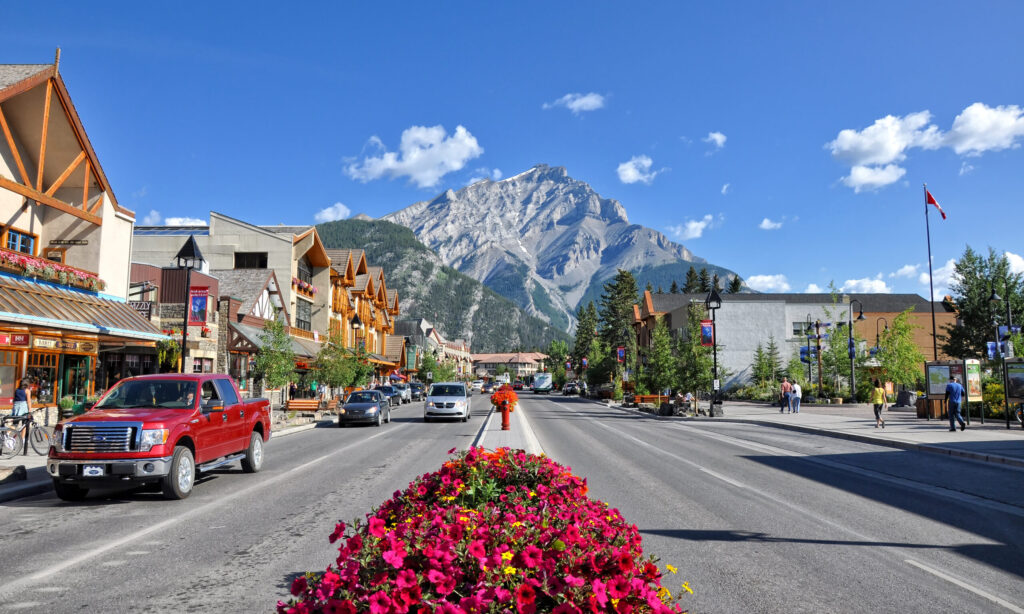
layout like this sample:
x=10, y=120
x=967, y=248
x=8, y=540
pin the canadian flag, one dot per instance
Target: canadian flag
x=929, y=199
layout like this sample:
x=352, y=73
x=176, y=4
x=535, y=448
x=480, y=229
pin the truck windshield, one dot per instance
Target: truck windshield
x=150, y=393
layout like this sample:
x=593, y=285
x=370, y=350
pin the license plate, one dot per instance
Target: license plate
x=92, y=471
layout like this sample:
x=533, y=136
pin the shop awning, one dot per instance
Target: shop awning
x=41, y=303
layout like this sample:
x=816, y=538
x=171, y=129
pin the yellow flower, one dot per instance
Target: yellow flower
x=671, y=569
x=664, y=594
x=506, y=556
x=510, y=571
x=532, y=494
x=615, y=602
x=686, y=587
x=517, y=524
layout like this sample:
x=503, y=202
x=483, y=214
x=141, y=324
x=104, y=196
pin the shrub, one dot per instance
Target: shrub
x=488, y=532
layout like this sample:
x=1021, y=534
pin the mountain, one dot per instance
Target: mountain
x=544, y=240
x=459, y=306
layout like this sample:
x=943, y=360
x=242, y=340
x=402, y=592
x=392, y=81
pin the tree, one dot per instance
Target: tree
x=692, y=284
x=704, y=281
x=649, y=287
x=715, y=282
x=974, y=280
x=735, y=285
x=759, y=368
x=662, y=367
x=898, y=356
x=586, y=328
x=617, y=320
x=695, y=360
x=334, y=363
x=674, y=288
x=660, y=291
x=557, y=352
x=774, y=359
x=275, y=362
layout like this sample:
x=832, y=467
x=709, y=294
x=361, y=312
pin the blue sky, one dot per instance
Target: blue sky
x=787, y=141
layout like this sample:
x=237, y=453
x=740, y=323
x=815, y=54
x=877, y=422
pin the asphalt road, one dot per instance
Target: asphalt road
x=756, y=519
x=764, y=520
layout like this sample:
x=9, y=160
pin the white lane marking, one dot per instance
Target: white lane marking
x=107, y=547
x=532, y=444
x=977, y=591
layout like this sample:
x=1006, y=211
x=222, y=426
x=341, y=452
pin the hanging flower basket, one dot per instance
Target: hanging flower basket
x=505, y=395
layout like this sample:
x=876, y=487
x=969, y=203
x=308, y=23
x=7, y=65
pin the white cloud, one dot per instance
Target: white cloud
x=577, y=103
x=767, y=224
x=1016, y=262
x=725, y=189
x=484, y=173
x=638, y=168
x=715, y=138
x=866, y=285
x=873, y=177
x=184, y=221
x=496, y=174
x=886, y=140
x=965, y=168
x=980, y=128
x=337, y=211
x=425, y=155
x=907, y=270
x=152, y=218
x=813, y=289
x=768, y=283
x=692, y=229
x=942, y=278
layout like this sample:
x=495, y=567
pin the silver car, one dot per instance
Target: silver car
x=405, y=390
x=447, y=400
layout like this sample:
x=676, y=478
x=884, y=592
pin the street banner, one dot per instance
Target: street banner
x=973, y=383
x=1005, y=332
x=620, y=354
x=568, y=366
x=707, y=333
x=197, y=302
x=584, y=362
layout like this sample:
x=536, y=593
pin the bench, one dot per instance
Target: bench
x=304, y=406
x=653, y=399
x=332, y=405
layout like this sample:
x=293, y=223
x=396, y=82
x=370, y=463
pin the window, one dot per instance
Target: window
x=202, y=365
x=250, y=260
x=799, y=328
x=303, y=271
x=303, y=315
x=227, y=392
x=18, y=241
x=55, y=254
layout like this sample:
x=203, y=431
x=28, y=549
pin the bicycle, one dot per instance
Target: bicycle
x=12, y=439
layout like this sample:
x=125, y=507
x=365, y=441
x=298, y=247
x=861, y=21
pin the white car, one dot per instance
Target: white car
x=447, y=400
x=478, y=385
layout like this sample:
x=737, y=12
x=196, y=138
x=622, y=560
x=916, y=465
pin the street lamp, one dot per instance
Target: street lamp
x=853, y=352
x=807, y=337
x=877, y=337
x=713, y=302
x=994, y=300
x=189, y=257
x=357, y=324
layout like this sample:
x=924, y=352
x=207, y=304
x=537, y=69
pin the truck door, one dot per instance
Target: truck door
x=214, y=425
x=237, y=435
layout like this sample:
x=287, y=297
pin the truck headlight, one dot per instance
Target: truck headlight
x=58, y=438
x=152, y=437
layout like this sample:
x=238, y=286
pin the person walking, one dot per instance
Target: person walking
x=794, y=398
x=954, y=394
x=786, y=392
x=22, y=404
x=880, y=402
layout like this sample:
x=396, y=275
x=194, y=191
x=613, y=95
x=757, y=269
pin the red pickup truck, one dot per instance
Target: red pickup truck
x=158, y=429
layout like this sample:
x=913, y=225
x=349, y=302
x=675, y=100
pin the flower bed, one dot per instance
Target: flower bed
x=31, y=266
x=488, y=532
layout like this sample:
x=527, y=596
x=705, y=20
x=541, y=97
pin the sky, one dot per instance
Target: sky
x=787, y=141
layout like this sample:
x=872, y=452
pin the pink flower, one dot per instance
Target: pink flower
x=395, y=557
x=377, y=528
x=406, y=579
x=476, y=548
x=618, y=587
x=337, y=606
x=380, y=603
x=531, y=556
x=599, y=592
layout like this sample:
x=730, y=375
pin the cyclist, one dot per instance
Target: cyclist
x=21, y=400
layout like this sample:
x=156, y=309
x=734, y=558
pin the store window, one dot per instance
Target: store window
x=239, y=370
x=41, y=373
x=8, y=374
x=202, y=365
x=18, y=241
x=303, y=315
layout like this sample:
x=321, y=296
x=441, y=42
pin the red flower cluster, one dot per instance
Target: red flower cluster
x=504, y=394
x=489, y=532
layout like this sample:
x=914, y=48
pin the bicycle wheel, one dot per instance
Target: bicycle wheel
x=10, y=443
x=39, y=438
x=1019, y=414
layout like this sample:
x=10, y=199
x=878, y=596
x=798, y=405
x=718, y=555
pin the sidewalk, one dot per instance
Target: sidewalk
x=519, y=437
x=989, y=442
x=24, y=476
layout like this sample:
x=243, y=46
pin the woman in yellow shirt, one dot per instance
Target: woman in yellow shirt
x=880, y=402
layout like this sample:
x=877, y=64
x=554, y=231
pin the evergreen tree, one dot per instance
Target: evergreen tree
x=898, y=355
x=692, y=284
x=616, y=313
x=275, y=362
x=586, y=328
x=974, y=280
x=715, y=282
x=695, y=360
x=649, y=287
x=759, y=368
x=662, y=366
x=773, y=360
x=735, y=285
x=704, y=281
x=660, y=291
x=674, y=288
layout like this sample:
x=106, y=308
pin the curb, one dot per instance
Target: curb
x=890, y=443
x=291, y=430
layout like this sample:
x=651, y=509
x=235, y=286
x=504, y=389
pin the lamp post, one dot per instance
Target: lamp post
x=713, y=302
x=853, y=351
x=807, y=337
x=357, y=324
x=877, y=337
x=188, y=257
x=994, y=300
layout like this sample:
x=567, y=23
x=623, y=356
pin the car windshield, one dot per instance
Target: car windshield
x=387, y=389
x=447, y=391
x=361, y=397
x=150, y=393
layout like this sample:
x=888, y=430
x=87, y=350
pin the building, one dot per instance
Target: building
x=519, y=365
x=747, y=320
x=64, y=272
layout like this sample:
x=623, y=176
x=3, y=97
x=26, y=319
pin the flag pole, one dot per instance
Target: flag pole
x=931, y=285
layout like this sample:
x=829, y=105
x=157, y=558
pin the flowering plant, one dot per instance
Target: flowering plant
x=488, y=532
x=504, y=394
x=50, y=271
x=206, y=330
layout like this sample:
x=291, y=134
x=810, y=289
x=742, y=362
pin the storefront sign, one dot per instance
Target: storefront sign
x=46, y=344
x=69, y=241
x=144, y=308
x=14, y=338
x=86, y=347
x=197, y=300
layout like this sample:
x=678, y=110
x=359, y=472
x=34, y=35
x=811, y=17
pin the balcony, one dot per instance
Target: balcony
x=303, y=288
x=47, y=270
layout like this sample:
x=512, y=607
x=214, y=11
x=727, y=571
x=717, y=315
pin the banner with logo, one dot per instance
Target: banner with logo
x=620, y=354
x=707, y=333
x=197, y=305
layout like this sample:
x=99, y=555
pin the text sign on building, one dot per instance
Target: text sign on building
x=69, y=241
x=144, y=308
x=14, y=339
x=58, y=344
x=197, y=299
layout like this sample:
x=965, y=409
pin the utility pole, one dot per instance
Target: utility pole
x=817, y=334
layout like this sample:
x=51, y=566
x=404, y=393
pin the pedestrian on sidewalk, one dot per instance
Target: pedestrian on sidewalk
x=786, y=391
x=21, y=400
x=880, y=402
x=794, y=398
x=954, y=394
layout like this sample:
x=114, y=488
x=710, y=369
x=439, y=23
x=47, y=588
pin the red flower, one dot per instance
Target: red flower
x=339, y=530
x=298, y=585
x=526, y=599
x=565, y=608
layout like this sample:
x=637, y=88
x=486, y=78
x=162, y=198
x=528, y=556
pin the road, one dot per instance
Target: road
x=756, y=519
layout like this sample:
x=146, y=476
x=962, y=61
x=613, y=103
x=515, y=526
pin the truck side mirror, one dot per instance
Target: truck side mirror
x=212, y=405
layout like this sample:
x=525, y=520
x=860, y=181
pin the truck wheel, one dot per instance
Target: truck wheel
x=69, y=492
x=178, y=483
x=253, y=460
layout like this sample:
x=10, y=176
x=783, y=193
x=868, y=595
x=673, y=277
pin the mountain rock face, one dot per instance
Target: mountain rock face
x=540, y=238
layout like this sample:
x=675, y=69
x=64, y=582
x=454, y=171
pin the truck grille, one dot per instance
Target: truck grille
x=97, y=438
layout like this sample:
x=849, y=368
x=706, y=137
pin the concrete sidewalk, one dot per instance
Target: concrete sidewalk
x=520, y=436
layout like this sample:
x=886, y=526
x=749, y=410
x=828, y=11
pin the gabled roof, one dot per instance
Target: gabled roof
x=341, y=262
x=394, y=346
x=362, y=283
x=247, y=285
x=10, y=74
x=393, y=299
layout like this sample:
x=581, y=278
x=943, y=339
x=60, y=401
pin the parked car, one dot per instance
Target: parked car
x=517, y=385
x=365, y=407
x=158, y=429
x=406, y=392
x=570, y=388
x=418, y=391
x=447, y=400
x=392, y=393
